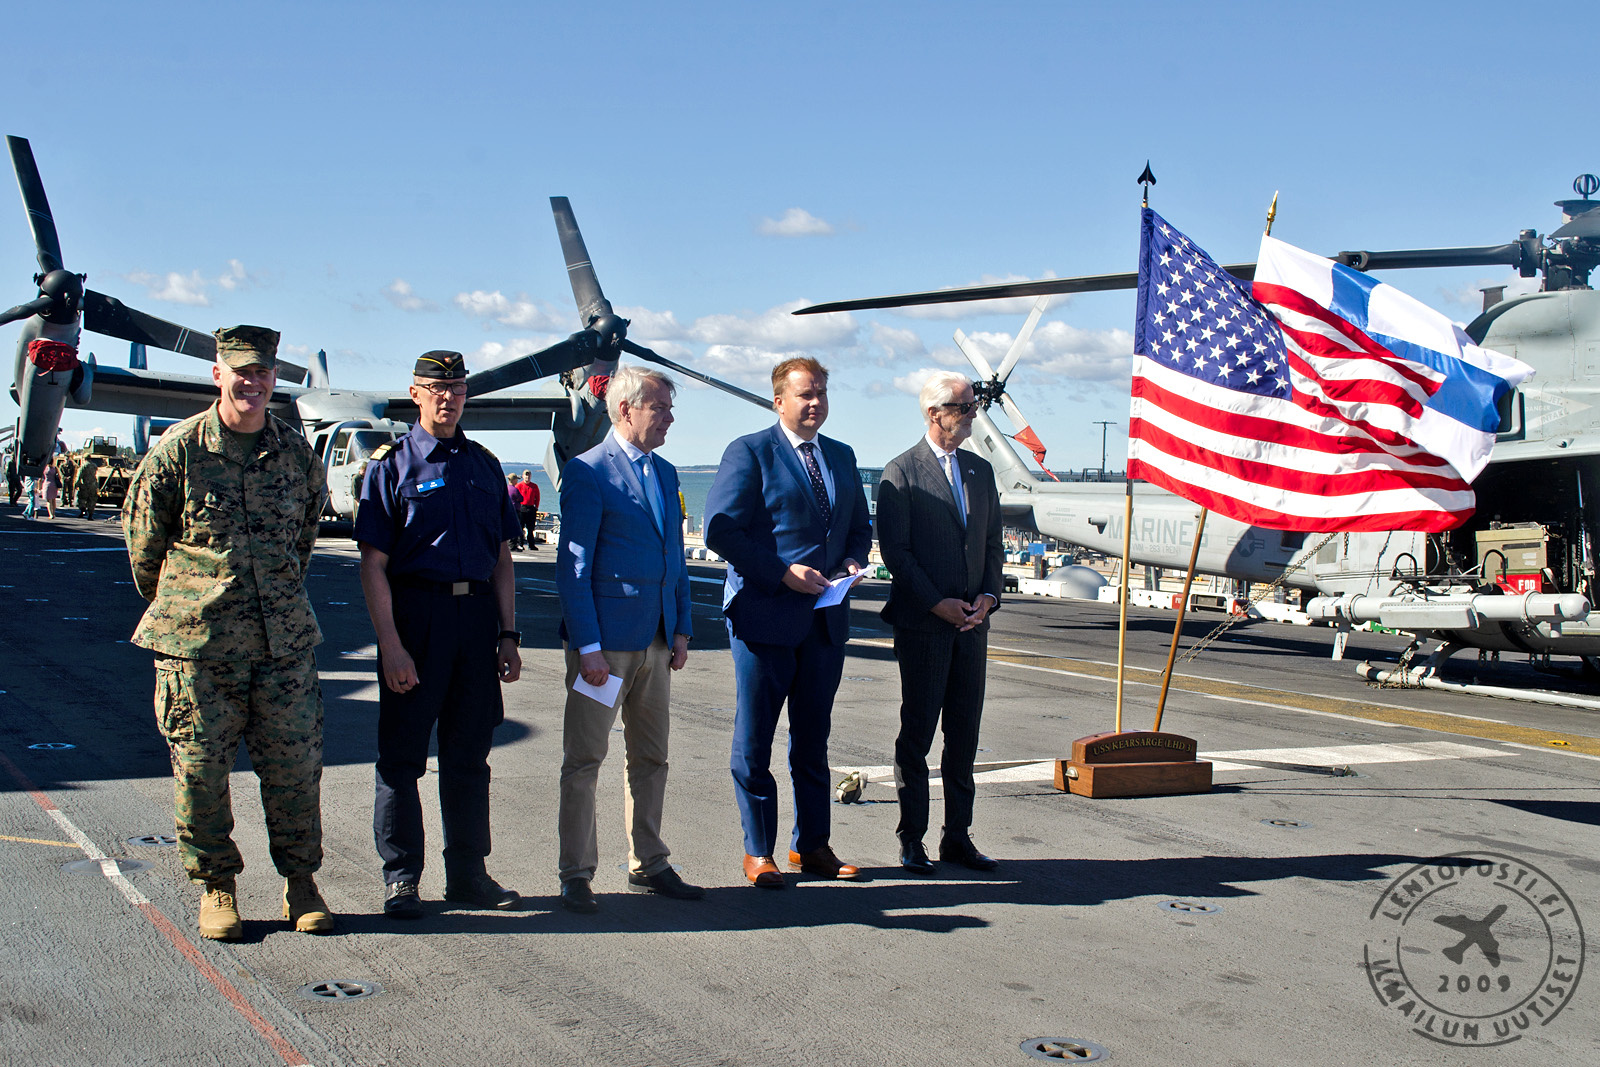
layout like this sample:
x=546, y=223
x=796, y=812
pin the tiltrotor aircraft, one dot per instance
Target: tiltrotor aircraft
x=1517, y=577
x=343, y=425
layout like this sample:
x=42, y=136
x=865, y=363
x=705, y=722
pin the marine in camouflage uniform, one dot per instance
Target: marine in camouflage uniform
x=220, y=530
x=88, y=488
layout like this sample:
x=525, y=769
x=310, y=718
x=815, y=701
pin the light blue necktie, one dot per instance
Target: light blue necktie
x=652, y=492
x=953, y=472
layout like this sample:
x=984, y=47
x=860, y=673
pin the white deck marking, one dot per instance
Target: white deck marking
x=1327, y=756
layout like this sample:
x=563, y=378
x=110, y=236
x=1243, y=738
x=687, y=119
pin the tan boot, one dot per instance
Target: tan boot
x=304, y=907
x=219, y=912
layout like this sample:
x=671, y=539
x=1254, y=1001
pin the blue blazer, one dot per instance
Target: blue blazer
x=761, y=516
x=618, y=576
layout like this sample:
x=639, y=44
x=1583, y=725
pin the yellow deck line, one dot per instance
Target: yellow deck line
x=37, y=841
x=1461, y=725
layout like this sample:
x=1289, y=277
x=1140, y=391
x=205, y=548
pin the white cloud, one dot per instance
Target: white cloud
x=973, y=308
x=521, y=313
x=911, y=384
x=776, y=328
x=646, y=326
x=1058, y=350
x=235, y=277
x=1471, y=294
x=401, y=295
x=193, y=288
x=897, y=344
x=493, y=353
x=796, y=222
x=743, y=364
x=173, y=287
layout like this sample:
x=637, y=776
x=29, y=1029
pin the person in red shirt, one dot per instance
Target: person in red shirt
x=528, y=508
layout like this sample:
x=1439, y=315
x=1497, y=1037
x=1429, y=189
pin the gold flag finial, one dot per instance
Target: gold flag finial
x=1272, y=212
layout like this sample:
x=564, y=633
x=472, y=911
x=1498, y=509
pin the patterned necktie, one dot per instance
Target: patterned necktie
x=953, y=472
x=818, y=488
x=652, y=492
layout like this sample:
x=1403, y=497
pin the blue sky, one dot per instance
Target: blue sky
x=373, y=179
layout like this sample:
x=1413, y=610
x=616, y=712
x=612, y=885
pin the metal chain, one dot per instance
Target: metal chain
x=1228, y=623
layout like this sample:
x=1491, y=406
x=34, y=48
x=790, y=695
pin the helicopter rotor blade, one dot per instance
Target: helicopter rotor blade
x=716, y=383
x=1014, y=353
x=974, y=357
x=1089, y=283
x=40, y=221
x=592, y=303
x=581, y=348
x=110, y=316
x=107, y=315
x=23, y=311
x=1511, y=254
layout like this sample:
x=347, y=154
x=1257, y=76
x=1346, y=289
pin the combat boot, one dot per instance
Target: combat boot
x=219, y=912
x=304, y=907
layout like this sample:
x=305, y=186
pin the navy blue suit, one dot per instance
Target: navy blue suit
x=762, y=516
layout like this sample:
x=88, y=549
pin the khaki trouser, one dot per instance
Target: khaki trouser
x=205, y=708
x=646, y=693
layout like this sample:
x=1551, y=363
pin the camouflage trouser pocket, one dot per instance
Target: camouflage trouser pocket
x=175, y=706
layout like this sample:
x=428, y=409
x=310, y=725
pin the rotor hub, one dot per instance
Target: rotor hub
x=65, y=290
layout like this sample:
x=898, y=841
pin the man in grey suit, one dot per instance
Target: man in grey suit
x=624, y=612
x=939, y=531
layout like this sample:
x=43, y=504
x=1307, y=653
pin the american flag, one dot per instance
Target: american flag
x=1288, y=416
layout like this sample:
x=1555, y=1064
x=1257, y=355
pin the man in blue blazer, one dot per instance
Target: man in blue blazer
x=624, y=612
x=788, y=513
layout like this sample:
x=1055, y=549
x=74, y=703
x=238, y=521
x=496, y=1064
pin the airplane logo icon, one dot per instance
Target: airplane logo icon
x=1474, y=932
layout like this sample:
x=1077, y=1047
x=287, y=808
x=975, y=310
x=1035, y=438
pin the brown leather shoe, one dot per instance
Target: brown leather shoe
x=762, y=872
x=822, y=863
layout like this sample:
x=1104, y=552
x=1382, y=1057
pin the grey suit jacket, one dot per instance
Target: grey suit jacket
x=929, y=553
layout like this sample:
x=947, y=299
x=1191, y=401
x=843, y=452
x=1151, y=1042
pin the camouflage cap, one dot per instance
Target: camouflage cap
x=241, y=346
x=440, y=364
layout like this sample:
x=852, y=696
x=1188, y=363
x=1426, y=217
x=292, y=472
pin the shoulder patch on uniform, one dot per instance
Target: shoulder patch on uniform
x=492, y=457
x=381, y=451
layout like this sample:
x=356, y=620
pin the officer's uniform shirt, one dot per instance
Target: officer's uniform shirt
x=437, y=508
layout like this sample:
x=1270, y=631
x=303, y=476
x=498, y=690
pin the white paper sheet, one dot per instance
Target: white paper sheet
x=604, y=693
x=835, y=592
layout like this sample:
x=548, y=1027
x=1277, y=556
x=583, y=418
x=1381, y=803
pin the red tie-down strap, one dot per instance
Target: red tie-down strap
x=598, y=384
x=50, y=355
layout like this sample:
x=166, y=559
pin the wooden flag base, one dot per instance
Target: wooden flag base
x=1133, y=763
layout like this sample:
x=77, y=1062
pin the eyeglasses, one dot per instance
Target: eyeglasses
x=964, y=408
x=443, y=389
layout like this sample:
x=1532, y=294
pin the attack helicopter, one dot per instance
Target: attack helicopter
x=344, y=426
x=1519, y=576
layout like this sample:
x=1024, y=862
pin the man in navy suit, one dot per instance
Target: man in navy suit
x=624, y=612
x=788, y=513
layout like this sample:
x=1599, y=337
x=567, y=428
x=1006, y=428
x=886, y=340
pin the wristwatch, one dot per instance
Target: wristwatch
x=515, y=635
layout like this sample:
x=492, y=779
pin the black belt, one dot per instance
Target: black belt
x=406, y=581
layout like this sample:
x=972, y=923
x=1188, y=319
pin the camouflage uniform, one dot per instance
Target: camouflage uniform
x=219, y=540
x=88, y=488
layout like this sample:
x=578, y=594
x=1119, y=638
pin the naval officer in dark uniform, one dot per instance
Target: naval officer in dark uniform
x=435, y=526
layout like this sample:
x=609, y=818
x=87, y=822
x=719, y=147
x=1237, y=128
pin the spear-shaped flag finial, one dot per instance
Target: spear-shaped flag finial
x=1147, y=179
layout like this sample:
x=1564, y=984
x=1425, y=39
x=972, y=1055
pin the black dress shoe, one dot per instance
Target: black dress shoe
x=914, y=858
x=577, y=896
x=666, y=883
x=481, y=891
x=962, y=851
x=400, y=901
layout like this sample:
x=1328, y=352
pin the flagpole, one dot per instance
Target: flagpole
x=1194, y=555
x=1122, y=598
x=1146, y=180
